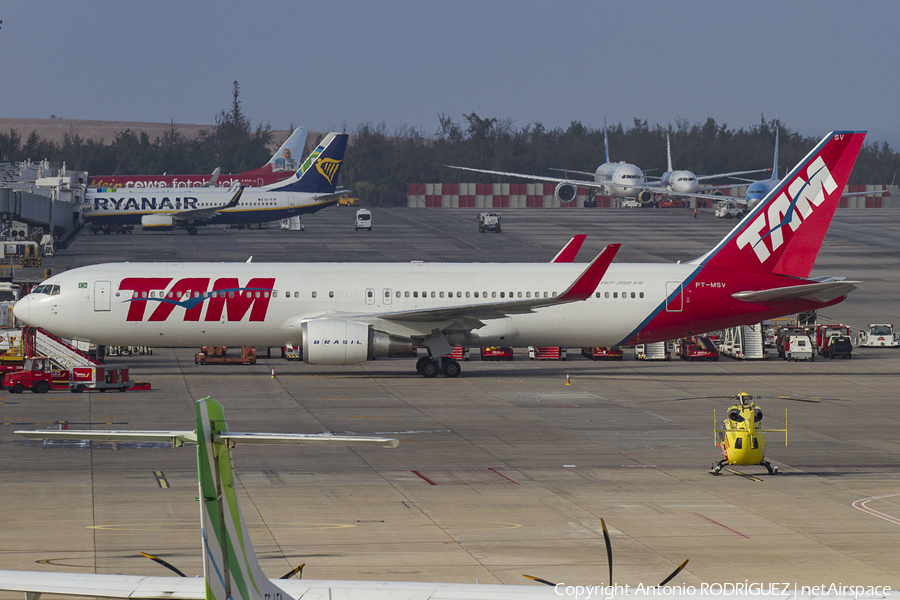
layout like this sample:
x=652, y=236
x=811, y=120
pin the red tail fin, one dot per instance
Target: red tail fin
x=784, y=232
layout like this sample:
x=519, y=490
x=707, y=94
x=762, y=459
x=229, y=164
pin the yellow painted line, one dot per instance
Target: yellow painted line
x=161, y=480
x=751, y=477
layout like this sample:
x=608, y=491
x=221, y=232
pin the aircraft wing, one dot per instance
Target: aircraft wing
x=136, y=587
x=732, y=174
x=103, y=586
x=580, y=289
x=818, y=292
x=201, y=214
x=570, y=250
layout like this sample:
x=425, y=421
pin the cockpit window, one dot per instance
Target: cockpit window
x=50, y=290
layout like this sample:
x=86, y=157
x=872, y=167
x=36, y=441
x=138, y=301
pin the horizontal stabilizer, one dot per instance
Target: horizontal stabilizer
x=306, y=439
x=816, y=292
x=176, y=438
x=179, y=438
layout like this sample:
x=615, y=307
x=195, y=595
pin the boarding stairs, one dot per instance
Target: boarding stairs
x=745, y=342
x=42, y=343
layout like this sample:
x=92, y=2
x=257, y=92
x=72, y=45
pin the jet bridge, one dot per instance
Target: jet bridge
x=39, y=196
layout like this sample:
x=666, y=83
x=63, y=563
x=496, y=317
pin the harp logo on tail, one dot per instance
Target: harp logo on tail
x=327, y=167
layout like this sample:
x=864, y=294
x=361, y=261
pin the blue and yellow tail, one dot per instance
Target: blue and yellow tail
x=317, y=174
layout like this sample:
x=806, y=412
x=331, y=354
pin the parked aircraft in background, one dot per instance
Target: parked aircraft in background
x=282, y=165
x=348, y=313
x=309, y=189
x=760, y=188
x=622, y=180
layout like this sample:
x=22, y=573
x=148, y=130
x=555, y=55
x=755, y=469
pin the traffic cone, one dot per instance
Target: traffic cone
x=567, y=380
x=273, y=373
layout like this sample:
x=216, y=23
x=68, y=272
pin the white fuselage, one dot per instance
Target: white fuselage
x=679, y=182
x=126, y=206
x=95, y=303
x=621, y=174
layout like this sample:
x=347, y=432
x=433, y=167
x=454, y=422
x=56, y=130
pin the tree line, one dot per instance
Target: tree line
x=232, y=144
x=379, y=164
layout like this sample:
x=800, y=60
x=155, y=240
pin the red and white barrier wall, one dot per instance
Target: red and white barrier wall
x=540, y=195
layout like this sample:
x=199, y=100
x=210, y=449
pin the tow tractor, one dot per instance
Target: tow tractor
x=218, y=355
x=40, y=376
x=878, y=335
x=825, y=332
x=489, y=221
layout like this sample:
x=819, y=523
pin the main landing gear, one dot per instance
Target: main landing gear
x=192, y=230
x=430, y=367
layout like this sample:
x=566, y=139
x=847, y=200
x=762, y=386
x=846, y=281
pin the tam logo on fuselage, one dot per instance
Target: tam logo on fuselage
x=226, y=301
x=789, y=208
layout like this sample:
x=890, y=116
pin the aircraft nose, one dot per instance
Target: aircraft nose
x=22, y=309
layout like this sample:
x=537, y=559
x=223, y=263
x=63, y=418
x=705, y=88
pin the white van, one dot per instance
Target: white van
x=363, y=219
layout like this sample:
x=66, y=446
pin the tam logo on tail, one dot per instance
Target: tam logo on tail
x=790, y=208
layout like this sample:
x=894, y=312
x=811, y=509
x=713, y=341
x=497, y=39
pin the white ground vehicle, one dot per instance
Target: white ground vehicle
x=800, y=348
x=878, y=335
x=728, y=209
x=363, y=219
x=489, y=221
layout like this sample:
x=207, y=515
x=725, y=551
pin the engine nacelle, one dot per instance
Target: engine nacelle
x=565, y=191
x=645, y=197
x=157, y=222
x=327, y=342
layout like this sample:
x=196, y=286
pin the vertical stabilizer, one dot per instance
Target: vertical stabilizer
x=784, y=232
x=319, y=172
x=291, y=151
x=230, y=567
x=605, y=140
x=775, y=164
x=668, y=154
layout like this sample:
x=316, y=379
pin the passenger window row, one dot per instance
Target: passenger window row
x=616, y=294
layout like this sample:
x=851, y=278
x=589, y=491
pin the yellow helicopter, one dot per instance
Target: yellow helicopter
x=741, y=439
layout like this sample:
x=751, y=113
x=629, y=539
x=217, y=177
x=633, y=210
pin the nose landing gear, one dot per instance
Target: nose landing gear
x=429, y=367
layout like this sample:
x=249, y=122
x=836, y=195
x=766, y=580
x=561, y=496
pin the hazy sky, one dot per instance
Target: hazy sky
x=816, y=66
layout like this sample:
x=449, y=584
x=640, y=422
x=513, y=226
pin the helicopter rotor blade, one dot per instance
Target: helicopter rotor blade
x=539, y=580
x=160, y=561
x=294, y=571
x=674, y=573
x=608, y=549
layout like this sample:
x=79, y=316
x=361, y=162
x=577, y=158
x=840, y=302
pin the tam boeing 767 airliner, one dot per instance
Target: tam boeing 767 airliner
x=348, y=313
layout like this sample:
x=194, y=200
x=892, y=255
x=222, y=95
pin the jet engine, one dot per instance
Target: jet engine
x=645, y=196
x=157, y=222
x=327, y=342
x=565, y=191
